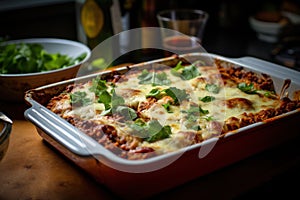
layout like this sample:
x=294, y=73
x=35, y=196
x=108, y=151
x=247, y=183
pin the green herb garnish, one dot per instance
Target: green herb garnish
x=105, y=98
x=212, y=88
x=247, y=88
x=185, y=72
x=177, y=94
x=126, y=112
x=99, y=87
x=151, y=131
x=167, y=107
x=79, y=99
x=155, y=135
x=153, y=78
x=208, y=118
x=207, y=99
x=156, y=93
x=193, y=113
x=196, y=110
x=116, y=100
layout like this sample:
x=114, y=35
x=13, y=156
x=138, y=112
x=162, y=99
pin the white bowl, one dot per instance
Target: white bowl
x=267, y=31
x=295, y=18
x=14, y=86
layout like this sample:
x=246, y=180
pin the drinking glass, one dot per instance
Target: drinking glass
x=182, y=29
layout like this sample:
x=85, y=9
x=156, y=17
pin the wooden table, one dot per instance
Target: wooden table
x=32, y=169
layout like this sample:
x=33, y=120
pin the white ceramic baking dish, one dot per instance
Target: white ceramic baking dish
x=143, y=178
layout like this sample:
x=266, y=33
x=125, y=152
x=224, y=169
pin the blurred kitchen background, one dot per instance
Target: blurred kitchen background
x=228, y=32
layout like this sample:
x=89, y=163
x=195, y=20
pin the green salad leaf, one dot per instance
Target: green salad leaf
x=32, y=57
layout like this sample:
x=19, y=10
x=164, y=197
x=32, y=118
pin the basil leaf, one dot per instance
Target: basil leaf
x=140, y=122
x=247, y=88
x=192, y=123
x=212, y=88
x=105, y=98
x=139, y=128
x=100, y=89
x=116, y=101
x=145, y=77
x=151, y=131
x=98, y=86
x=79, y=98
x=190, y=72
x=167, y=106
x=194, y=112
x=153, y=78
x=203, y=112
x=106, y=112
x=175, y=70
x=157, y=132
x=185, y=72
x=177, y=94
x=161, y=79
x=156, y=93
x=196, y=127
x=207, y=99
x=208, y=118
x=111, y=102
x=126, y=112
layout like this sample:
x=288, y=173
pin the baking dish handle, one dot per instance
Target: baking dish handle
x=249, y=61
x=62, y=131
x=268, y=67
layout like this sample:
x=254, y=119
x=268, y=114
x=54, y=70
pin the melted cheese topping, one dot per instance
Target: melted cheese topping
x=228, y=101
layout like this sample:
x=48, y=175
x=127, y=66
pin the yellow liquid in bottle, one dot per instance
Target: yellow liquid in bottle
x=92, y=18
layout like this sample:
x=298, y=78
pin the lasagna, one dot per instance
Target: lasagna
x=156, y=109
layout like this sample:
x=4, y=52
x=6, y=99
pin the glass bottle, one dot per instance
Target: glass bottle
x=95, y=18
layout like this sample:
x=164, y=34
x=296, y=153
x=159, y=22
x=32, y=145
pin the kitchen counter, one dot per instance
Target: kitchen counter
x=32, y=169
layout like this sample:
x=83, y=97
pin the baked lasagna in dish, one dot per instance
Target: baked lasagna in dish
x=155, y=109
